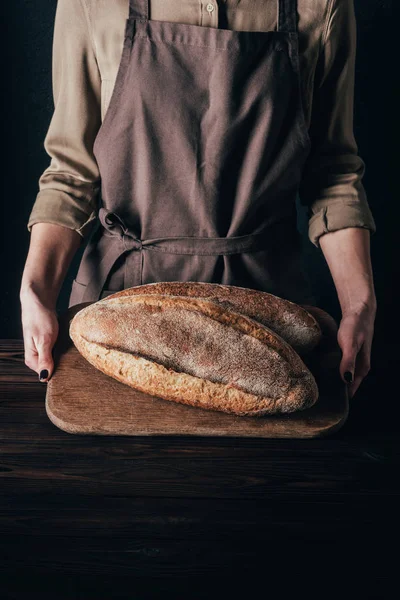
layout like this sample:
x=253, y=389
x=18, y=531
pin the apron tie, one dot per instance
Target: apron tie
x=109, y=219
x=123, y=239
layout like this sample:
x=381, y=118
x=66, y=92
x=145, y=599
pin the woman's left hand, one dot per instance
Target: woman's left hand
x=354, y=336
x=347, y=252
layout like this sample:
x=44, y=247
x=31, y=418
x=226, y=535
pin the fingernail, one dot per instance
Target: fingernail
x=43, y=374
x=348, y=376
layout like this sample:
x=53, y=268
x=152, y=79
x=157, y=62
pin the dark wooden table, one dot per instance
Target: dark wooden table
x=183, y=517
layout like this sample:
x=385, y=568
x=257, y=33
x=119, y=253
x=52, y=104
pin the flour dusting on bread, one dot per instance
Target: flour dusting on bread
x=292, y=322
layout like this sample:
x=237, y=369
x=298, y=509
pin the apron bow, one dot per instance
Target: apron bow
x=110, y=219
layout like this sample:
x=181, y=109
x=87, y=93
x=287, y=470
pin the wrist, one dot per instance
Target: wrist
x=359, y=304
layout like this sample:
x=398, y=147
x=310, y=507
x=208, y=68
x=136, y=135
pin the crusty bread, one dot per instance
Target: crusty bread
x=293, y=323
x=194, y=351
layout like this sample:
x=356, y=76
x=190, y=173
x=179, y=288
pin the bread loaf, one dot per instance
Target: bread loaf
x=293, y=323
x=194, y=351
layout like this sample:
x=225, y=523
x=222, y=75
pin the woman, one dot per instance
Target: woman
x=197, y=124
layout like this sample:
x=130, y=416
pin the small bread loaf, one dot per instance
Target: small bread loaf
x=194, y=351
x=293, y=323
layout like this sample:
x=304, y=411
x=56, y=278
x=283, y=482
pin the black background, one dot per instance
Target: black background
x=27, y=110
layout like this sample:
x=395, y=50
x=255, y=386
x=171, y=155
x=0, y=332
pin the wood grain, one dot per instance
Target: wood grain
x=82, y=515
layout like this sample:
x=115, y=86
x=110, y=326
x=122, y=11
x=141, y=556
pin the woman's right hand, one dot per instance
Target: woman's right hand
x=40, y=331
x=51, y=250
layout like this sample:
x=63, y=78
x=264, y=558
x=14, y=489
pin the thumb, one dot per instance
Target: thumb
x=349, y=344
x=45, y=365
x=347, y=364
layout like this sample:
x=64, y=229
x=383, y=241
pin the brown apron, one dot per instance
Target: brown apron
x=200, y=154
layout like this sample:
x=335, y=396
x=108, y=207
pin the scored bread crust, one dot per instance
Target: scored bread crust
x=293, y=323
x=158, y=380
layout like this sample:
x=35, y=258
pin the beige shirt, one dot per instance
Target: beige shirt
x=87, y=47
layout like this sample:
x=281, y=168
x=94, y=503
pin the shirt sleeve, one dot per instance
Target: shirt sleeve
x=69, y=186
x=331, y=185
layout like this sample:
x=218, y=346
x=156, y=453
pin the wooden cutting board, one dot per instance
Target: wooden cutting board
x=81, y=399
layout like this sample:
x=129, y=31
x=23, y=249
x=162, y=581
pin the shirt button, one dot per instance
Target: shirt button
x=210, y=7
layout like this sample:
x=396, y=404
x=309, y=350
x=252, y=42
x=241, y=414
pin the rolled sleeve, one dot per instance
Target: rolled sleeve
x=331, y=185
x=69, y=186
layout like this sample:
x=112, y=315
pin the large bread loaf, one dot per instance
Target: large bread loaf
x=293, y=323
x=194, y=351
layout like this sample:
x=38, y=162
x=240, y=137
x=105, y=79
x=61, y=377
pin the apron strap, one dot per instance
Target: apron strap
x=206, y=246
x=139, y=9
x=123, y=239
x=287, y=15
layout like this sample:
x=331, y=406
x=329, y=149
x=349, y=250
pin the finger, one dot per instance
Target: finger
x=350, y=347
x=45, y=364
x=30, y=353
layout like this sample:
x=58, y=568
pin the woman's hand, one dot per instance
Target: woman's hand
x=347, y=252
x=40, y=331
x=354, y=336
x=51, y=250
